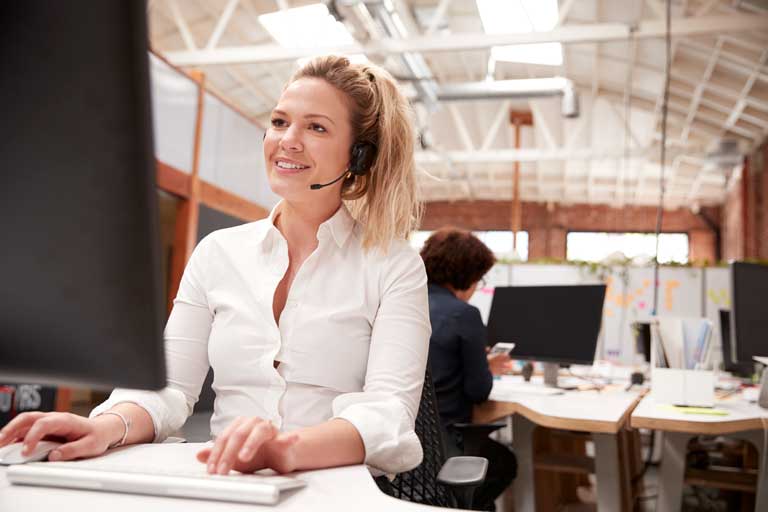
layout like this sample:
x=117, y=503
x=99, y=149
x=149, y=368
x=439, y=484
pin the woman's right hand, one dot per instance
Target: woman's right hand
x=82, y=437
x=499, y=364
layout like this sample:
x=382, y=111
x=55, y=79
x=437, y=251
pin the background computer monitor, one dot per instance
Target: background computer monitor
x=749, y=322
x=80, y=275
x=642, y=334
x=556, y=324
x=729, y=364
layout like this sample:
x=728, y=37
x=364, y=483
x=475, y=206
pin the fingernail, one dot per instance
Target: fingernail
x=55, y=455
x=244, y=453
x=223, y=469
x=25, y=449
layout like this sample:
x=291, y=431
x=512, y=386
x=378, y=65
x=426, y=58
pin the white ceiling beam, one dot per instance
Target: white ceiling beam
x=563, y=12
x=221, y=24
x=657, y=7
x=620, y=116
x=580, y=33
x=570, y=144
x=241, y=78
x=737, y=41
x=540, y=123
x=438, y=17
x=181, y=24
x=699, y=91
x=461, y=126
x=503, y=156
x=727, y=59
x=706, y=8
x=742, y=101
x=501, y=117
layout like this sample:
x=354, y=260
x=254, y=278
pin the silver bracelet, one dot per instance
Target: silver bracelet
x=126, y=424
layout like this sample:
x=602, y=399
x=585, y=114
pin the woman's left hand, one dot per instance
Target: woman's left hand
x=248, y=445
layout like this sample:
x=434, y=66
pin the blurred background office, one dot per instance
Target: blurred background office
x=583, y=141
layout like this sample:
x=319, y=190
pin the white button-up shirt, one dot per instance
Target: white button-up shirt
x=352, y=340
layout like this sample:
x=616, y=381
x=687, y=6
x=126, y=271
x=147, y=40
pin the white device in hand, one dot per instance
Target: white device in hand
x=502, y=348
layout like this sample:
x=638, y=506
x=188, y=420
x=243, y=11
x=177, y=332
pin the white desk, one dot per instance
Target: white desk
x=603, y=414
x=342, y=489
x=745, y=421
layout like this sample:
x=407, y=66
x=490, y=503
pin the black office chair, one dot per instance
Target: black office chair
x=436, y=481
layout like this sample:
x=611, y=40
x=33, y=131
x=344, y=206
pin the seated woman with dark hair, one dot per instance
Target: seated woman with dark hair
x=462, y=371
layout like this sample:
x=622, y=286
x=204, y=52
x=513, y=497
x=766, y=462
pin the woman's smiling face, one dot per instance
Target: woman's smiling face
x=308, y=140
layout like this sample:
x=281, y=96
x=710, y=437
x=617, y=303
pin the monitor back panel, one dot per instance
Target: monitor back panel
x=548, y=323
x=749, y=322
x=81, y=295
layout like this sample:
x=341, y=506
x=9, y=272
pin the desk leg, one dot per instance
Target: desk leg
x=524, y=484
x=672, y=472
x=757, y=438
x=608, y=472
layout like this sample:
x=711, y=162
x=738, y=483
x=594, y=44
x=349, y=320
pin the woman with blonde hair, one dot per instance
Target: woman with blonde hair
x=314, y=320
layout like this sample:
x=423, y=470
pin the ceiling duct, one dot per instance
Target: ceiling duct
x=429, y=92
x=386, y=16
x=725, y=154
x=506, y=89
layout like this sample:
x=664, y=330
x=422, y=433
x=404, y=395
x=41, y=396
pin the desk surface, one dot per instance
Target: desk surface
x=339, y=489
x=742, y=416
x=588, y=411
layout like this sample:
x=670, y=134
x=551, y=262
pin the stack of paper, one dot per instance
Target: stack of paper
x=681, y=342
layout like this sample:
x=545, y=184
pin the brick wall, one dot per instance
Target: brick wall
x=548, y=225
x=745, y=212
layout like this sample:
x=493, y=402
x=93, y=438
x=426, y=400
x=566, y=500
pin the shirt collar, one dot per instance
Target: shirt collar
x=340, y=225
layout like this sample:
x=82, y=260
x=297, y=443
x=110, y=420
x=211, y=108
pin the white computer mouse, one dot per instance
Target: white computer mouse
x=11, y=454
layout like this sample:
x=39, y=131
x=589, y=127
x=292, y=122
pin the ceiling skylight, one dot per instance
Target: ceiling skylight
x=521, y=16
x=307, y=27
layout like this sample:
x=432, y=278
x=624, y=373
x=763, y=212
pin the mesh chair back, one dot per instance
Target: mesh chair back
x=420, y=484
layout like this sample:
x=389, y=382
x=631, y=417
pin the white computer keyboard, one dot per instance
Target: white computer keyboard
x=281, y=482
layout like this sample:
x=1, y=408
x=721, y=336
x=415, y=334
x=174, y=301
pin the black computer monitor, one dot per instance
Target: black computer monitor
x=729, y=364
x=80, y=276
x=749, y=322
x=555, y=324
x=641, y=331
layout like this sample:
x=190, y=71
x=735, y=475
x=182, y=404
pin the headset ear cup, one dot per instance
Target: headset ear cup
x=362, y=155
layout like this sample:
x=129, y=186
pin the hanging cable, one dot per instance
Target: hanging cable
x=660, y=210
x=662, y=184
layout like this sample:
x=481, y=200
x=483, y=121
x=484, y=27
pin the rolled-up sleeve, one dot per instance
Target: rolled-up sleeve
x=186, y=341
x=384, y=413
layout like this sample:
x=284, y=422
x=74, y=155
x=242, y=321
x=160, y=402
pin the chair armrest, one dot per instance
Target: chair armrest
x=463, y=471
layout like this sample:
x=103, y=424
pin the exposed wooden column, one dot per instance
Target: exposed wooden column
x=188, y=210
x=518, y=119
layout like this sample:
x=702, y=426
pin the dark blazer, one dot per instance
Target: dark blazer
x=457, y=356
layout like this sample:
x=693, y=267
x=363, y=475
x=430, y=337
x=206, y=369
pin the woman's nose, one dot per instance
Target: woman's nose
x=291, y=140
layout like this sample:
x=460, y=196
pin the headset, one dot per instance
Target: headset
x=361, y=158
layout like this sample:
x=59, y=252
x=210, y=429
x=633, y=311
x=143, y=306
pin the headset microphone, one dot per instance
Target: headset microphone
x=362, y=155
x=318, y=186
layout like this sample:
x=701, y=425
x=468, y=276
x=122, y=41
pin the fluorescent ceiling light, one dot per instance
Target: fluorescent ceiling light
x=521, y=16
x=307, y=27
